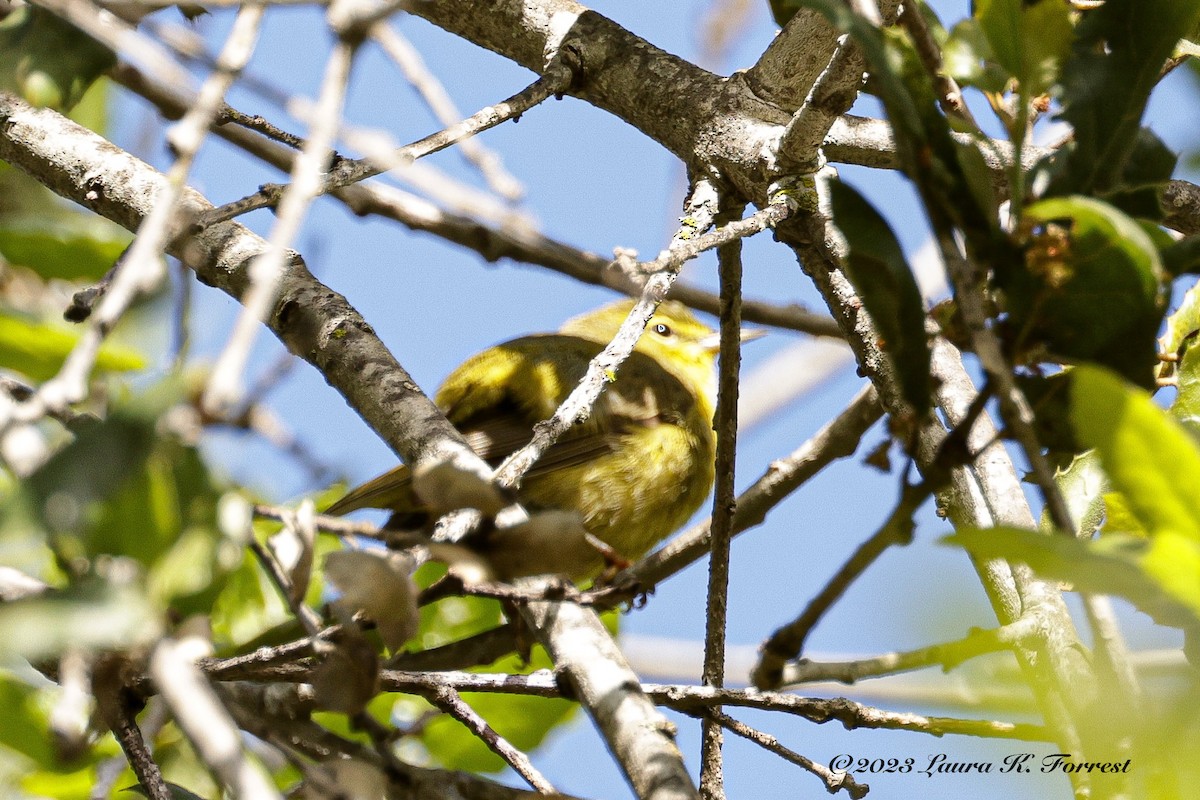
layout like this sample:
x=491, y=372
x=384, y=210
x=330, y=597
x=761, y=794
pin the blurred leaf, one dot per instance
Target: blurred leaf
x=783, y=10
x=67, y=244
x=75, y=785
x=1160, y=575
x=1088, y=287
x=1182, y=258
x=1028, y=39
x=876, y=266
x=1048, y=396
x=1139, y=188
x=1118, y=518
x=968, y=58
x=25, y=727
x=37, y=350
x=96, y=615
x=48, y=61
x=1149, y=458
x=379, y=584
x=1116, y=60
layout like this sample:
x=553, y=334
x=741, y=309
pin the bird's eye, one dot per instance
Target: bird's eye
x=662, y=330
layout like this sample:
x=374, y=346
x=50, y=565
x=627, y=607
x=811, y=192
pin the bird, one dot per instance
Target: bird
x=625, y=478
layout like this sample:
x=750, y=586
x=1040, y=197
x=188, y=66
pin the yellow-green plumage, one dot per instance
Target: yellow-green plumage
x=635, y=470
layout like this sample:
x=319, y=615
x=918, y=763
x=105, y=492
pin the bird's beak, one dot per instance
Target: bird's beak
x=712, y=342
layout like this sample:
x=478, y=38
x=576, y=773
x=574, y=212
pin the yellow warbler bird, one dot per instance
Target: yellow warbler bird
x=633, y=472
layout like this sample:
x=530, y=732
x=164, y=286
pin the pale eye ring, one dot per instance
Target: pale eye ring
x=662, y=329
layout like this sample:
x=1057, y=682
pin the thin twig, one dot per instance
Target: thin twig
x=450, y=701
x=224, y=383
x=833, y=781
x=348, y=172
x=947, y=655
x=307, y=617
x=324, y=523
x=439, y=102
x=788, y=641
x=729, y=258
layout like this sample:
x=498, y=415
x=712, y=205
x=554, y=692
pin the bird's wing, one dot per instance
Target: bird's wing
x=496, y=397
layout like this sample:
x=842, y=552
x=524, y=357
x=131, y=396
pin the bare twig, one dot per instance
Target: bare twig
x=438, y=99
x=307, y=617
x=833, y=781
x=348, y=172
x=788, y=641
x=450, y=701
x=947, y=655
x=729, y=258
x=224, y=383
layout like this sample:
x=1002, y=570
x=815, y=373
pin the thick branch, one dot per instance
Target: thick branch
x=311, y=319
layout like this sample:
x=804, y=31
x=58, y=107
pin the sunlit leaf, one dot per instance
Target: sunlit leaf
x=37, y=350
x=72, y=245
x=1149, y=458
x=1159, y=575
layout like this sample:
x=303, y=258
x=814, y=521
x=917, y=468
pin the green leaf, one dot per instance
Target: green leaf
x=876, y=265
x=1139, y=189
x=1028, y=39
x=1186, y=407
x=1088, y=289
x=1116, y=59
x=783, y=10
x=25, y=727
x=1118, y=518
x=1182, y=258
x=1150, y=459
x=968, y=58
x=48, y=61
x=68, y=244
x=37, y=350
x=1160, y=575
